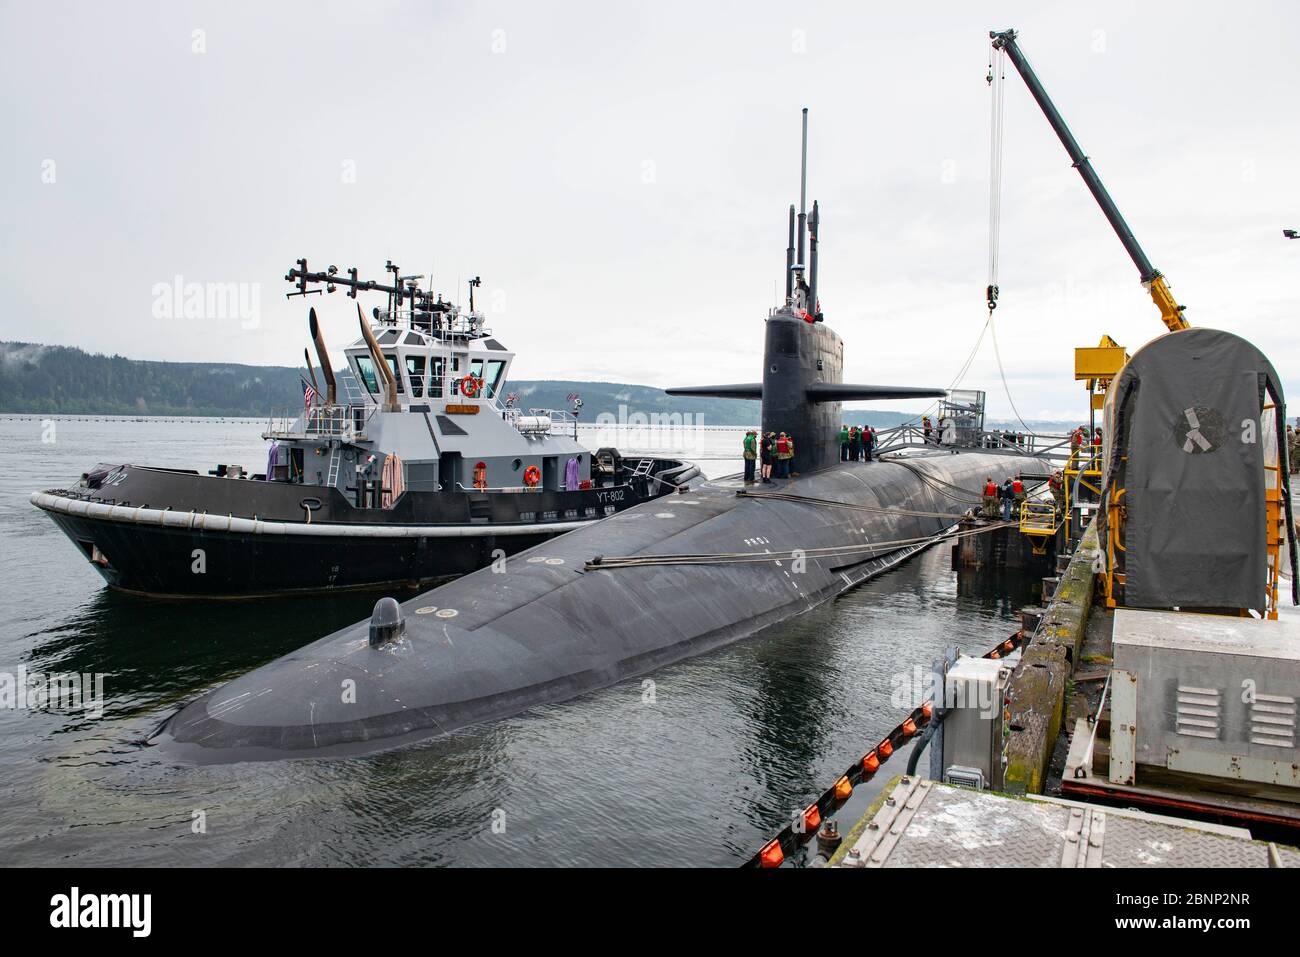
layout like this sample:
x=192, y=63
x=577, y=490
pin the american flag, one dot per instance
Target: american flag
x=308, y=395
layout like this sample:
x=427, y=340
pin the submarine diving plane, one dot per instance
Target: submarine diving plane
x=654, y=584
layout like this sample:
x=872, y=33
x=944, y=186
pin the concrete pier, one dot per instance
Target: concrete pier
x=1036, y=694
x=1004, y=547
x=920, y=823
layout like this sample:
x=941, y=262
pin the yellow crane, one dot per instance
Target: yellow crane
x=1171, y=314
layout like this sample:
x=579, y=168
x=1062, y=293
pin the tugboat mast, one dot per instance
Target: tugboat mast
x=419, y=298
x=427, y=311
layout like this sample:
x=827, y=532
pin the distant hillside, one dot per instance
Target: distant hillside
x=37, y=378
x=58, y=379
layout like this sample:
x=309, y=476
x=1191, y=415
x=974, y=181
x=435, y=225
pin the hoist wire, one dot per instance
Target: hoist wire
x=961, y=374
x=970, y=359
x=1005, y=388
x=997, y=84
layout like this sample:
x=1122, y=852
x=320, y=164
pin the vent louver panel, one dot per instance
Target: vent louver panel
x=1198, y=712
x=1272, y=720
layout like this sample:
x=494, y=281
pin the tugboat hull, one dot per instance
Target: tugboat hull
x=154, y=559
x=295, y=539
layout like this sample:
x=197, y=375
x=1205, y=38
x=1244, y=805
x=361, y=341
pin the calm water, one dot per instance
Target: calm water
x=732, y=743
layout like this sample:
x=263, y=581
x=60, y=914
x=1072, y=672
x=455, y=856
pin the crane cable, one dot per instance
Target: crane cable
x=993, y=336
x=997, y=85
x=961, y=374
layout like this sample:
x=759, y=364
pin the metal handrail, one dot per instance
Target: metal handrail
x=329, y=421
x=1037, y=518
x=512, y=415
x=1092, y=453
x=520, y=488
x=911, y=435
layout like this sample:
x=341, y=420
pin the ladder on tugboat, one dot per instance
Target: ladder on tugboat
x=643, y=468
x=332, y=477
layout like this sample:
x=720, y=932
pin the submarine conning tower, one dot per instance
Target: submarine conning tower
x=798, y=355
x=803, y=359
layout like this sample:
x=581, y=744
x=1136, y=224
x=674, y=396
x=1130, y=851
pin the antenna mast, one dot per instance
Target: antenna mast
x=789, y=261
x=803, y=189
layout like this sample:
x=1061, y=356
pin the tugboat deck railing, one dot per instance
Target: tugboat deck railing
x=321, y=422
x=567, y=421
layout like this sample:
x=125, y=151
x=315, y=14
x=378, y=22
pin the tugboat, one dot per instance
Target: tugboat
x=424, y=471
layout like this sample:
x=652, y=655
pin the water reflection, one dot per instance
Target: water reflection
x=154, y=650
x=733, y=743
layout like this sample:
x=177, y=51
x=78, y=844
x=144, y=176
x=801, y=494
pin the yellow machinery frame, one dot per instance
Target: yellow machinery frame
x=1038, y=523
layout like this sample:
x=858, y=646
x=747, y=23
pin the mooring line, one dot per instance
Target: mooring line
x=831, y=503
x=600, y=562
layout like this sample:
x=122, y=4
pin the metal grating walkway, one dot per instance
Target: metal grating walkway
x=927, y=824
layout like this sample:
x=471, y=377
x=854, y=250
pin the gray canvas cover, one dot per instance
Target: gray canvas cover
x=1184, y=444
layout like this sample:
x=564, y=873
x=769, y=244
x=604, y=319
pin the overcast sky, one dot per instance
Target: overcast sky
x=619, y=174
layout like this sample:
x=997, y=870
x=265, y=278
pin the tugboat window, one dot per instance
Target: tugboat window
x=495, y=368
x=516, y=464
x=366, y=372
x=435, y=371
x=397, y=374
x=415, y=372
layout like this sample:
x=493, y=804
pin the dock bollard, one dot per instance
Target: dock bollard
x=1030, y=616
x=828, y=839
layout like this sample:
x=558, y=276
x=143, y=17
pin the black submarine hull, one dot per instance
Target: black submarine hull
x=549, y=627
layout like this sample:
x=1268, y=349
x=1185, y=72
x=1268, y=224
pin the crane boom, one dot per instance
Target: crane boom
x=1170, y=312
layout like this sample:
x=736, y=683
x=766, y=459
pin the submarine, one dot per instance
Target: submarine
x=654, y=584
